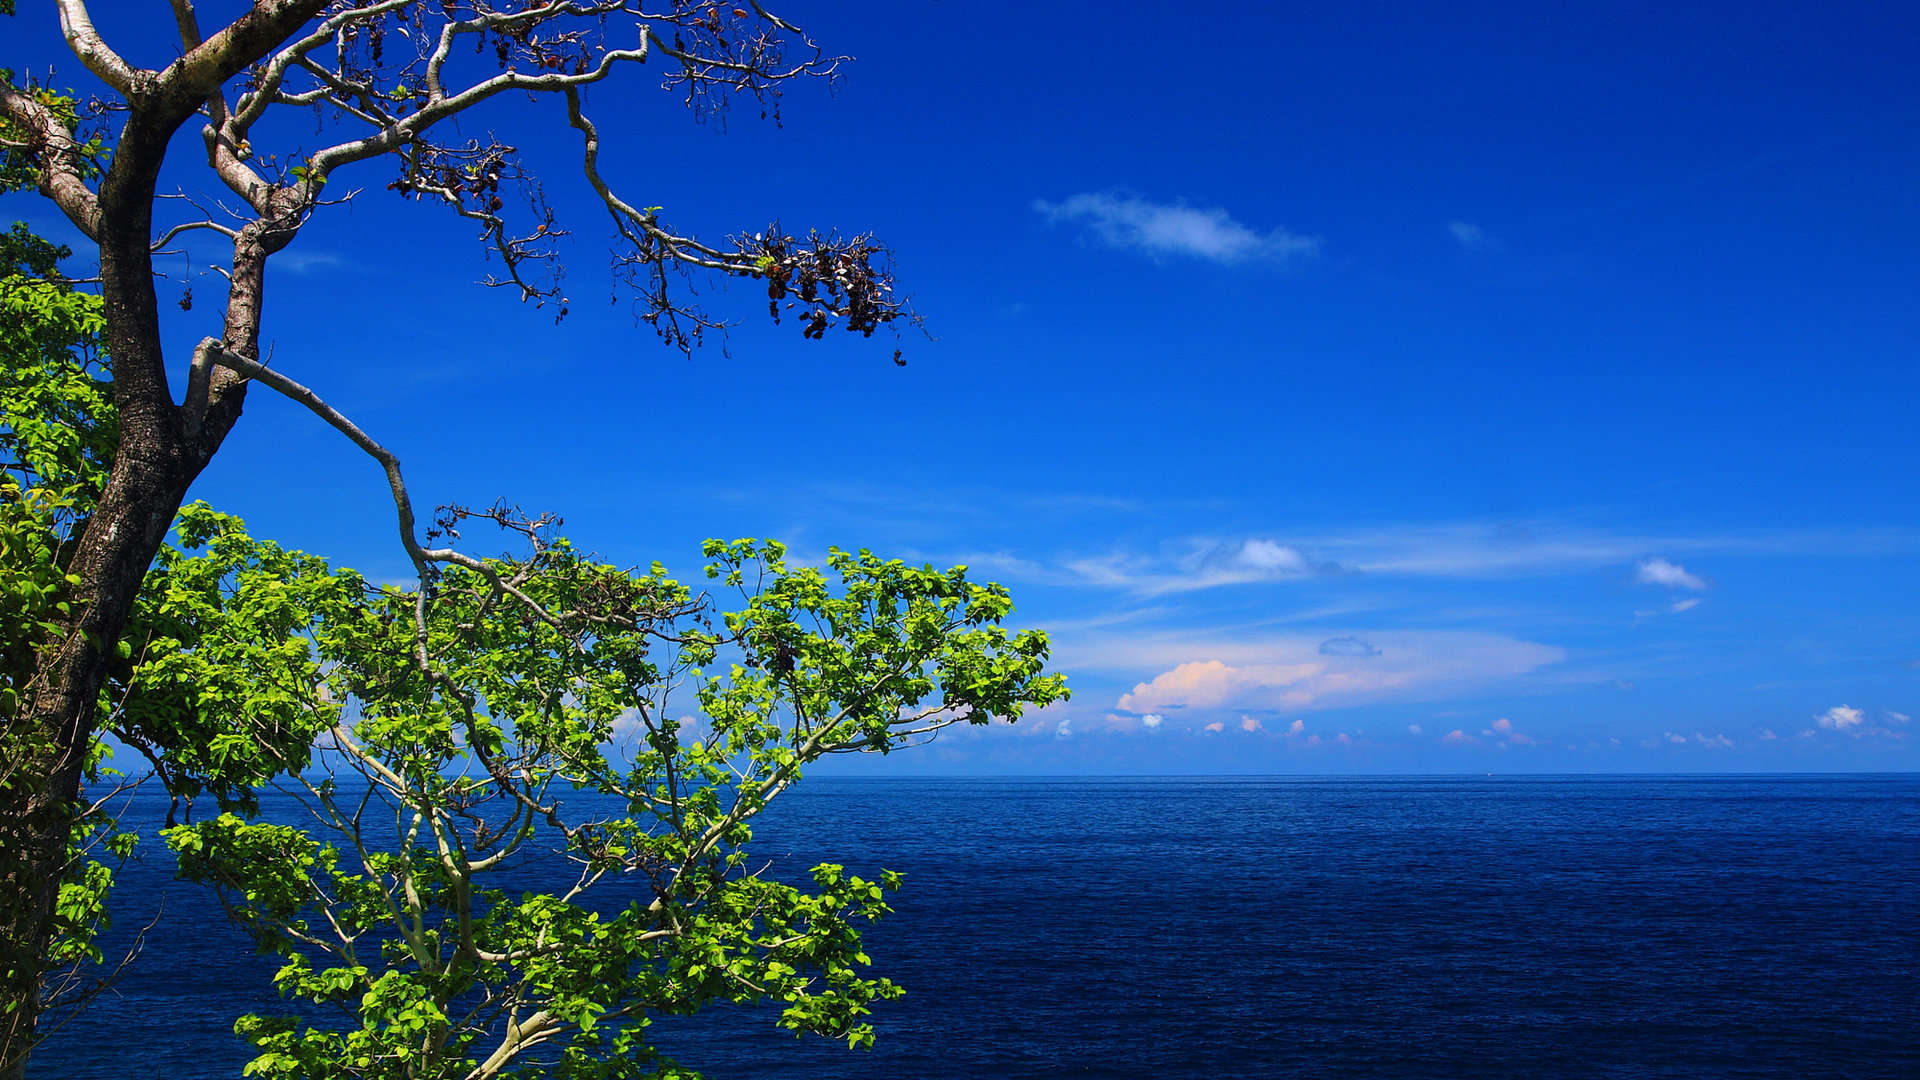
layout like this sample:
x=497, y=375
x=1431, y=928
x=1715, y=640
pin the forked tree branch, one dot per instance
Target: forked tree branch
x=76, y=25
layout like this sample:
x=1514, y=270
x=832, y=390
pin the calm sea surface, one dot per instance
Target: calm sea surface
x=1701, y=927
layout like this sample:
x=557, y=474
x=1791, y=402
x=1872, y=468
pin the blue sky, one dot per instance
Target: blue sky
x=1482, y=387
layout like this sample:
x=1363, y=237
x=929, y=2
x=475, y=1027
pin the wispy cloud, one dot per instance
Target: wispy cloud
x=1129, y=222
x=1674, y=608
x=1659, y=571
x=306, y=262
x=1465, y=550
x=1203, y=565
x=1470, y=236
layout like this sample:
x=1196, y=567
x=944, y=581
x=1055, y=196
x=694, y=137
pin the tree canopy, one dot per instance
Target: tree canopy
x=465, y=702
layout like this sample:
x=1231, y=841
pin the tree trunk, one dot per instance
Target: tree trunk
x=159, y=455
x=56, y=726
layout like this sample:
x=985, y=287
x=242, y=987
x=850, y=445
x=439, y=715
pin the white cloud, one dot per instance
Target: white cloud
x=1898, y=717
x=1291, y=673
x=1840, y=718
x=1678, y=740
x=1130, y=222
x=1767, y=735
x=1216, y=727
x=1296, y=728
x=1659, y=571
x=1249, y=724
x=1413, y=729
x=1152, y=720
x=1718, y=741
x=1688, y=604
x=1275, y=558
x=1456, y=736
x=1064, y=730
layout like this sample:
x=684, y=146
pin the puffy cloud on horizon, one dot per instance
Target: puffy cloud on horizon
x=1130, y=222
x=1152, y=720
x=1660, y=571
x=1456, y=737
x=1296, y=673
x=1211, y=683
x=1502, y=729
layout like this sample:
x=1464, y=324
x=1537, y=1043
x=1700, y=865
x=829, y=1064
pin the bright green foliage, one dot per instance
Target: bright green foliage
x=222, y=694
x=525, y=710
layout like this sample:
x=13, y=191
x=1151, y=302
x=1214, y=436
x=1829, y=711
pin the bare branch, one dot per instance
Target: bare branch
x=167, y=237
x=423, y=558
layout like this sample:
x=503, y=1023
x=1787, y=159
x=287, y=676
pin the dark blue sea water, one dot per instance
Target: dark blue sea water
x=1699, y=927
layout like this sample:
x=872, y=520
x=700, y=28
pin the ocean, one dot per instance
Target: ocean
x=1705, y=927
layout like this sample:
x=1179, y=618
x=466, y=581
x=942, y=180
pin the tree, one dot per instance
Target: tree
x=388, y=76
x=546, y=722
